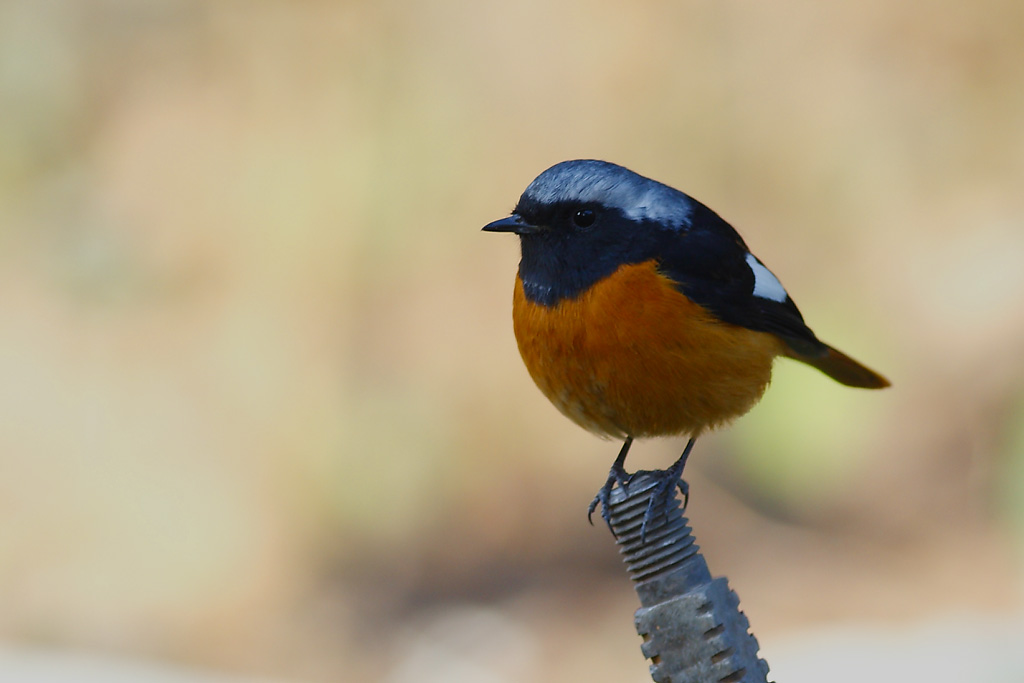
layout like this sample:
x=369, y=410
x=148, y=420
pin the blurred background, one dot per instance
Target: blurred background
x=262, y=416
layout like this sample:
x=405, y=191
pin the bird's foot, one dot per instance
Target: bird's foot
x=660, y=502
x=665, y=490
x=618, y=475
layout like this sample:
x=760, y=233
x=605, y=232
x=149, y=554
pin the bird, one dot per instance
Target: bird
x=639, y=312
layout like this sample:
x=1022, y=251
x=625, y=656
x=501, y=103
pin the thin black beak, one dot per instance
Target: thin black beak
x=512, y=224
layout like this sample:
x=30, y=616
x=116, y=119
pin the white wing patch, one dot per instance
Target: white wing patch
x=766, y=285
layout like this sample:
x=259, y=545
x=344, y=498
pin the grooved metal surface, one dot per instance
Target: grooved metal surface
x=691, y=624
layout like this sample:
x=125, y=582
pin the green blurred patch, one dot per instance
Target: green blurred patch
x=1010, y=478
x=806, y=437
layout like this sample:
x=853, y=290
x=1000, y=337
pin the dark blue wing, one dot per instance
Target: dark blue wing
x=708, y=262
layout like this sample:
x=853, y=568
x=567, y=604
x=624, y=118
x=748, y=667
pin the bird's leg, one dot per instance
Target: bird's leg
x=666, y=488
x=616, y=474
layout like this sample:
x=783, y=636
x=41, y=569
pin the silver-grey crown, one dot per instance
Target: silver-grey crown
x=589, y=180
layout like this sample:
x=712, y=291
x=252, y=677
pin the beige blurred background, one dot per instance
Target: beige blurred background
x=261, y=411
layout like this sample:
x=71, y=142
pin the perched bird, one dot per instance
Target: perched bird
x=640, y=312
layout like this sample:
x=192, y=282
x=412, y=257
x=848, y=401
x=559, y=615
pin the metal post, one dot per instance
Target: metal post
x=691, y=624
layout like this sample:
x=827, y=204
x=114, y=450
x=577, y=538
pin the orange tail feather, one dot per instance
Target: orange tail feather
x=844, y=369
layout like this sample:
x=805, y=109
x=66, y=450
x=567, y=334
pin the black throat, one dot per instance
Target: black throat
x=558, y=265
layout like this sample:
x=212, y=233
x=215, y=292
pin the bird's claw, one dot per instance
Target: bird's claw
x=617, y=475
x=664, y=492
x=662, y=497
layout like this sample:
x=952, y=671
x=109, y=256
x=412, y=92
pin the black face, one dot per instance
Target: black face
x=576, y=245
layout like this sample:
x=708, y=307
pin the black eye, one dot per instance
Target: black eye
x=584, y=218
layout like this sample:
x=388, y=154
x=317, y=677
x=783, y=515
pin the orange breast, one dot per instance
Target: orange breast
x=633, y=356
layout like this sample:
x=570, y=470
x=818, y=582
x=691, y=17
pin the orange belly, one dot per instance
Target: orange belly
x=633, y=356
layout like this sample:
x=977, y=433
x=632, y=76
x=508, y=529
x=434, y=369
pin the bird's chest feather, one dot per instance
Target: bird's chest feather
x=632, y=355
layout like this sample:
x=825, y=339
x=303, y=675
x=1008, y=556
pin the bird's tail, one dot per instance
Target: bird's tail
x=844, y=369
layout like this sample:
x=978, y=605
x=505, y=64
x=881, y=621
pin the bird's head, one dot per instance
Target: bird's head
x=580, y=220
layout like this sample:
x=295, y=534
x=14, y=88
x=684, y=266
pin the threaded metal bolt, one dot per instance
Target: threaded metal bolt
x=691, y=624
